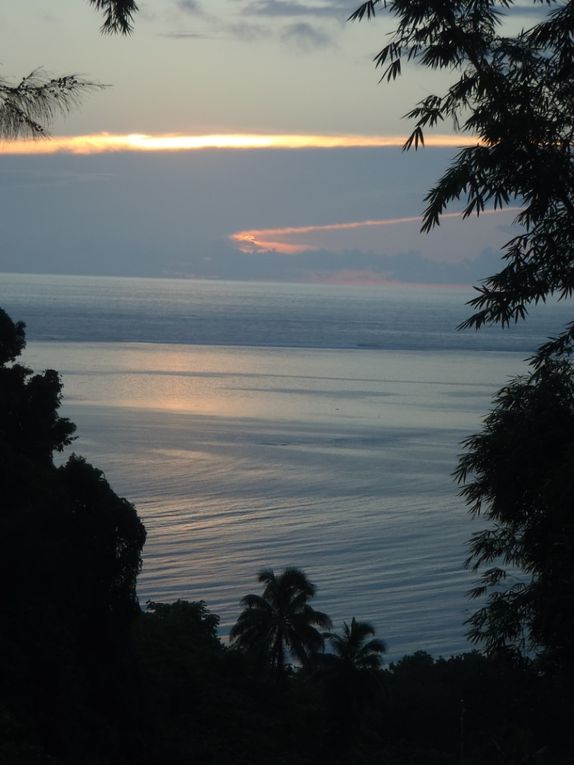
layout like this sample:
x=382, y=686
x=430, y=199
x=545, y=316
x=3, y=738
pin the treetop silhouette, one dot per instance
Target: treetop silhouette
x=118, y=15
x=354, y=648
x=519, y=473
x=515, y=93
x=280, y=623
x=70, y=553
x=28, y=107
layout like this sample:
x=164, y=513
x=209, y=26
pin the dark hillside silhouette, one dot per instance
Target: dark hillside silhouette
x=70, y=551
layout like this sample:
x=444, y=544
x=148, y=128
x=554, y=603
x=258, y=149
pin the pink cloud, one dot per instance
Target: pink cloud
x=385, y=236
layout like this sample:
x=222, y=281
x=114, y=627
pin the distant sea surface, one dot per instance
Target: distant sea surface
x=263, y=425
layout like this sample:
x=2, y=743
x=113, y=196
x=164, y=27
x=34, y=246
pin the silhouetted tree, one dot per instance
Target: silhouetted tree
x=518, y=472
x=352, y=648
x=70, y=552
x=349, y=671
x=501, y=702
x=12, y=338
x=280, y=622
x=70, y=548
x=513, y=91
x=28, y=107
x=118, y=14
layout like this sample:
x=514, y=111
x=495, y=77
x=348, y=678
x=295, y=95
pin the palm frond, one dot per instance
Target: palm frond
x=280, y=621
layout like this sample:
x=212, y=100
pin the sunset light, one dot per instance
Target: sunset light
x=139, y=142
x=286, y=382
x=298, y=239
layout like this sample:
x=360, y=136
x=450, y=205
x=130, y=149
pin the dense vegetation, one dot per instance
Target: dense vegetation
x=70, y=551
x=87, y=678
x=510, y=90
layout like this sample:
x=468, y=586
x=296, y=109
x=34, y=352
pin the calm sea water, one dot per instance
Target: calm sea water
x=259, y=425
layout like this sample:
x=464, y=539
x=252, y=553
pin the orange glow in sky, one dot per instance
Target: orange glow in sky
x=269, y=239
x=107, y=142
x=292, y=240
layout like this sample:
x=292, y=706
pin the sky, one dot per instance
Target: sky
x=237, y=139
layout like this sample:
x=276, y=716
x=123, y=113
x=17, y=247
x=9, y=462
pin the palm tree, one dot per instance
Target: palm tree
x=351, y=649
x=280, y=622
x=351, y=679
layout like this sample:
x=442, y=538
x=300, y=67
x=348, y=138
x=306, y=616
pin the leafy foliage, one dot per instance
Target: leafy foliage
x=350, y=674
x=12, y=338
x=70, y=552
x=281, y=621
x=519, y=473
x=118, y=15
x=498, y=703
x=515, y=93
x=28, y=107
x=352, y=647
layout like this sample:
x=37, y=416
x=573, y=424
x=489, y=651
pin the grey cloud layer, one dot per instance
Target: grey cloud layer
x=306, y=37
x=187, y=36
x=285, y=8
x=190, y=6
x=241, y=22
x=168, y=214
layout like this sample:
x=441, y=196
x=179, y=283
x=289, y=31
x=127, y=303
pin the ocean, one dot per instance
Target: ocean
x=269, y=425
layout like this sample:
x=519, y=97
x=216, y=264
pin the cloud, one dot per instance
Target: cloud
x=286, y=8
x=22, y=179
x=277, y=239
x=180, y=13
x=388, y=236
x=244, y=30
x=539, y=12
x=186, y=36
x=192, y=7
x=160, y=217
x=353, y=267
x=101, y=143
x=305, y=36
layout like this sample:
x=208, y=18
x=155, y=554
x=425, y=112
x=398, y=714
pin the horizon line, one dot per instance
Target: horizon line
x=102, y=143
x=183, y=276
